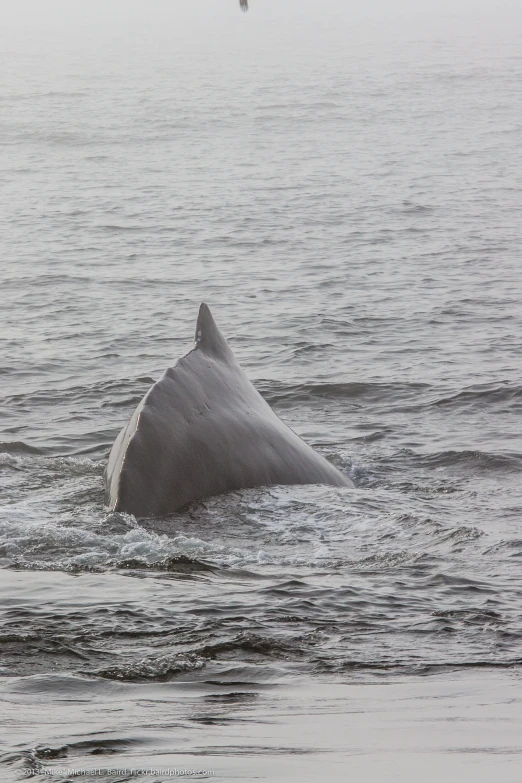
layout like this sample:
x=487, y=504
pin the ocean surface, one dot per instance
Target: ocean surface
x=342, y=185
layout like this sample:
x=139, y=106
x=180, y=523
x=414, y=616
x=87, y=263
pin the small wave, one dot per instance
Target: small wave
x=475, y=459
x=276, y=393
x=459, y=585
x=417, y=668
x=98, y=747
x=249, y=644
x=471, y=616
x=153, y=667
x=507, y=461
x=176, y=564
x=482, y=395
x=31, y=96
x=113, y=227
x=409, y=208
x=384, y=561
x=52, y=280
x=127, y=402
x=44, y=466
x=298, y=105
x=511, y=547
x=17, y=447
x=95, y=391
x=460, y=535
x=66, y=686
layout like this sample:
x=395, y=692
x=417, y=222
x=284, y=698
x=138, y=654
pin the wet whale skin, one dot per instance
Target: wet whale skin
x=201, y=430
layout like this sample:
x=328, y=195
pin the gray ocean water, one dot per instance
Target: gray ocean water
x=342, y=186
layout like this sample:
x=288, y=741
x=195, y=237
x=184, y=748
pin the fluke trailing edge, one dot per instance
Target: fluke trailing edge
x=202, y=430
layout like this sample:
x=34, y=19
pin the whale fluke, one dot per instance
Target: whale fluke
x=203, y=430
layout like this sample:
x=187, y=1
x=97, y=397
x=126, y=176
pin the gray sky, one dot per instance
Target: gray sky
x=502, y=14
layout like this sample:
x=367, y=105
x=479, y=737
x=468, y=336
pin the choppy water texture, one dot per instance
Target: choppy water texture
x=343, y=188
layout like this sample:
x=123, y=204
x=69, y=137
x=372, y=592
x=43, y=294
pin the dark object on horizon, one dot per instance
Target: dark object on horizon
x=202, y=430
x=243, y=4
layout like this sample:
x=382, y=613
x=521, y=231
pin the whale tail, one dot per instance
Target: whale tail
x=202, y=430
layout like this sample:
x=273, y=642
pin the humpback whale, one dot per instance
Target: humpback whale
x=201, y=430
